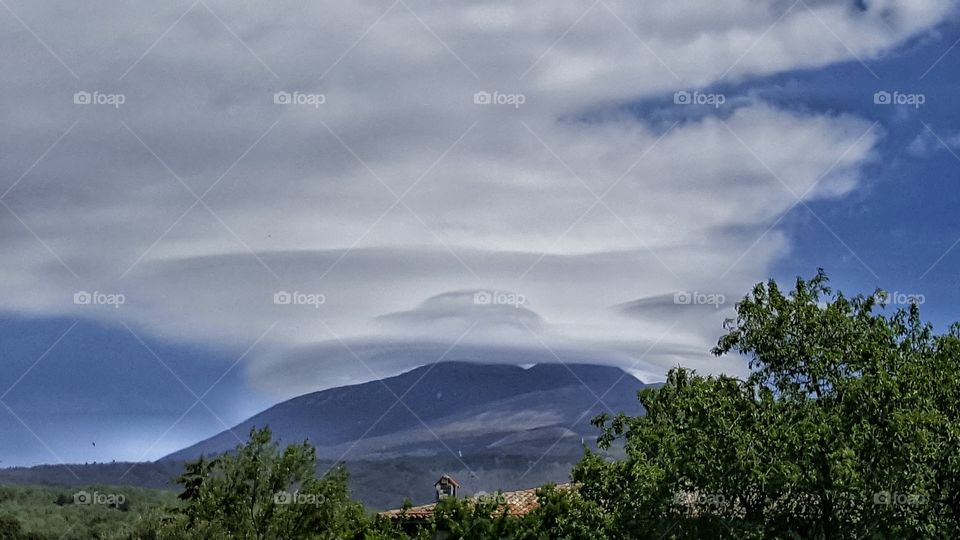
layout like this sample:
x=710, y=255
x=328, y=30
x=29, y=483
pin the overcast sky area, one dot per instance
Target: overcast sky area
x=208, y=207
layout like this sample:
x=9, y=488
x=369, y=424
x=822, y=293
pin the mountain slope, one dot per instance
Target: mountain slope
x=446, y=407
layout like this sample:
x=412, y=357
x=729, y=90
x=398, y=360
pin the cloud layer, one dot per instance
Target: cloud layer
x=390, y=188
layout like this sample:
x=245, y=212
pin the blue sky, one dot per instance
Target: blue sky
x=293, y=198
x=99, y=394
x=903, y=224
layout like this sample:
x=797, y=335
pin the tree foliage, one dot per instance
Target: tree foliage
x=10, y=529
x=261, y=491
x=847, y=427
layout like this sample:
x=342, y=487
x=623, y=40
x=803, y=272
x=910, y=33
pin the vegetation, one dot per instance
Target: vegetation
x=262, y=492
x=77, y=514
x=848, y=426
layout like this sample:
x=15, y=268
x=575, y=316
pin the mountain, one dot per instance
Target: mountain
x=447, y=407
x=490, y=426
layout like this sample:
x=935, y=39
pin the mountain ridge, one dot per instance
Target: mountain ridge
x=437, y=398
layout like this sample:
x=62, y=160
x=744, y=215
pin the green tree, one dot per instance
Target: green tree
x=846, y=427
x=262, y=492
x=564, y=515
x=473, y=519
x=10, y=529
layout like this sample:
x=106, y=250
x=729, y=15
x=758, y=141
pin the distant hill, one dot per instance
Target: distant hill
x=490, y=426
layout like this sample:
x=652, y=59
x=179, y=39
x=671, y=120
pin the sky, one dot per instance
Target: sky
x=208, y=207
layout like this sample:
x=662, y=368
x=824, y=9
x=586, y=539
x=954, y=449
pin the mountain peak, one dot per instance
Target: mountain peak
x=410, y=411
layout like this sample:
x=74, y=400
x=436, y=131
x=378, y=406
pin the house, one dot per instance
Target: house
x=516, y=503
x=446, y=486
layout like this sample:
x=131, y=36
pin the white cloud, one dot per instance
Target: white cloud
x=928, y=141
x=499, y=196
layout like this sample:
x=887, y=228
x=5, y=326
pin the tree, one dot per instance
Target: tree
x=260, y=491
x=564, y=515
x=847, y=426
x=10, y=529
x=476, y=519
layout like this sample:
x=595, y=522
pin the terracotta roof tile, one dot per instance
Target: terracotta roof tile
x=518, y=503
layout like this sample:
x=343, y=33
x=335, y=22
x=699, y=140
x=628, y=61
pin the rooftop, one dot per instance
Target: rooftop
x=518, y=503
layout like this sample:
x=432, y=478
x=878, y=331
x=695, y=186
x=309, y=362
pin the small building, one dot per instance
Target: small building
x=446, y=486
